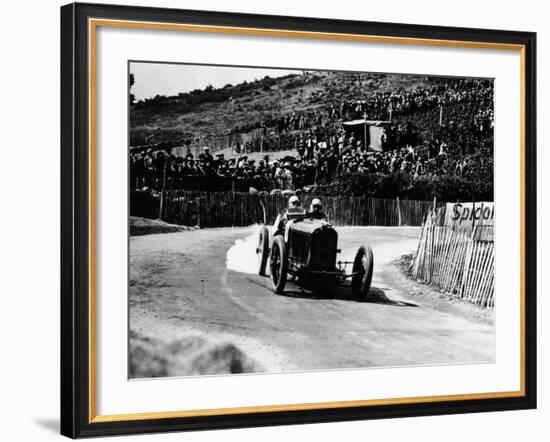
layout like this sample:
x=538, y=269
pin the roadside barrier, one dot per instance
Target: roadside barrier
x=231, y=209
x=456, y=252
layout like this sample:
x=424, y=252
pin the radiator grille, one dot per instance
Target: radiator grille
x=323, y=249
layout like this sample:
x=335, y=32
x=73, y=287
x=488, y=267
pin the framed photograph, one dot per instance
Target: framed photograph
x=274, y=220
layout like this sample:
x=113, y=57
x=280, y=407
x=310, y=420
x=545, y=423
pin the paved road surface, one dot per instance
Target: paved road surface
x=179, y=282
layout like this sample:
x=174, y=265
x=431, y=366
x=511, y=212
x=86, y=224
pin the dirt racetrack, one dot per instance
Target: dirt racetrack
x=181, y=290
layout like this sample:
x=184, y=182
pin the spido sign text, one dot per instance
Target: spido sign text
x=479, y=213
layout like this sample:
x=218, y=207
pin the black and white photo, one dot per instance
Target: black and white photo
x=280, y=220
x=287, y=220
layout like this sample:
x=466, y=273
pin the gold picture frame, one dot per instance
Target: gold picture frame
x=79, y=54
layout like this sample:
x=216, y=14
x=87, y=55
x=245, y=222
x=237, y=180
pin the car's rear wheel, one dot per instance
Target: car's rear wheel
x=263, y=249
x=362, y=268
x=278, y=264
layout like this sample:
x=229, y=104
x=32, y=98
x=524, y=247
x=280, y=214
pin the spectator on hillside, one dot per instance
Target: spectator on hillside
x=462, y=145
x=206, y=156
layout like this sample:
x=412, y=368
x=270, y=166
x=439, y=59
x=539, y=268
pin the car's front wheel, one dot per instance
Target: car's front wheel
x=278, y=264
x=362, y=272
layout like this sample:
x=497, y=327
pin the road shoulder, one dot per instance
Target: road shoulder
x=429, y=296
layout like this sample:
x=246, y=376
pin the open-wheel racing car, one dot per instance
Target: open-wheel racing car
x=307, y=250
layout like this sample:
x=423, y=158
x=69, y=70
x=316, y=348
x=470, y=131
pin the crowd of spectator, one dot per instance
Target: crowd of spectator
x=474, y=98
x=318, y=165
x=381, y=105
x=324, y=151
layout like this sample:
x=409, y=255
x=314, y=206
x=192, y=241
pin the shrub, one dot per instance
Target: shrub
x=378, y=185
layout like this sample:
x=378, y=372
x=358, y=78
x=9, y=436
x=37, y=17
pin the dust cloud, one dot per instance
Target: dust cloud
x=242, y=257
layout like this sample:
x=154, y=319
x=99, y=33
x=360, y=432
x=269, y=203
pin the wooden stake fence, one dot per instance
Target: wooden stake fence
x=227, y=209
x=456, y=261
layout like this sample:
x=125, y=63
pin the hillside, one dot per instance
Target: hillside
x=242, y=107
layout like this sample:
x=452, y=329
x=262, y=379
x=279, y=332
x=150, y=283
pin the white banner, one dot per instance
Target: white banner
x=469, y=214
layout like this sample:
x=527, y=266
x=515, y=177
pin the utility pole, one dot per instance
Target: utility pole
x=365, y=132
x=399, y=221
x=161, y=205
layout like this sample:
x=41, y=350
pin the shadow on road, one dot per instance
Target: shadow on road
x=376, y=295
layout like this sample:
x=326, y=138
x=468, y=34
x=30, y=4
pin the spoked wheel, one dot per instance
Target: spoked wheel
x=362, y=269
x=263, y=249
x=278, y=264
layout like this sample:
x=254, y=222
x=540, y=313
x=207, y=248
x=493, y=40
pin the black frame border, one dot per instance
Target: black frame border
x=75, y=219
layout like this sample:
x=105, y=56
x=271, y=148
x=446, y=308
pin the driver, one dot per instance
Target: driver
x=294, y=206
x=315, y=210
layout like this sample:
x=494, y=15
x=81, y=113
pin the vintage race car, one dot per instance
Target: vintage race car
x=307, y=251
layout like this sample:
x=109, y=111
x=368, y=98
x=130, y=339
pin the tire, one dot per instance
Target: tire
x=363, y=264
x=278, y=264
x=263, y=249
